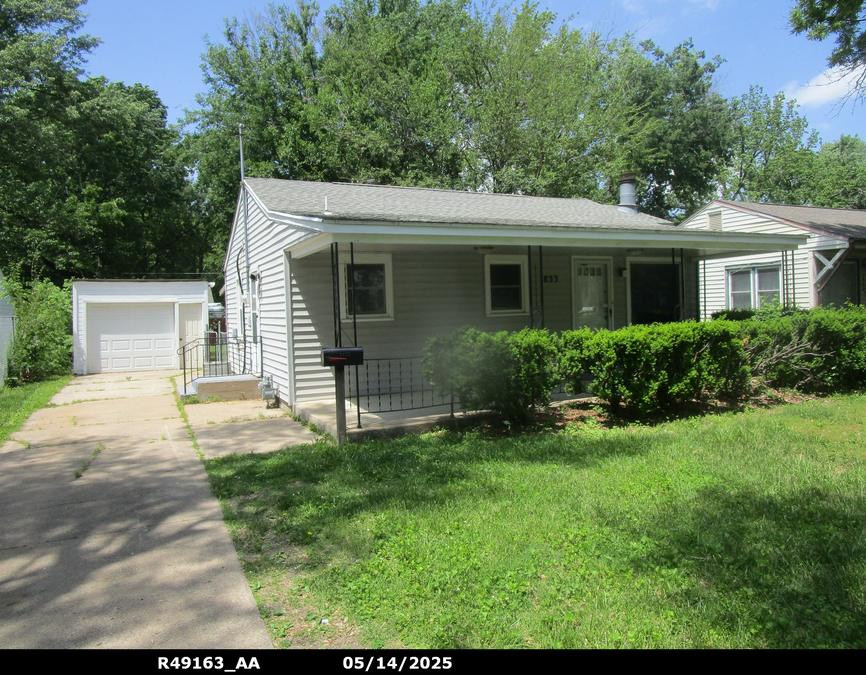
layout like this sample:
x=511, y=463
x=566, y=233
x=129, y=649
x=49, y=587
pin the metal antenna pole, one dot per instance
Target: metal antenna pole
x=253, y=311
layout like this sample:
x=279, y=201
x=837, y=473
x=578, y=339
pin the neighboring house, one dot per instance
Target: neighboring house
x=429, y=261
x=125, y=325
x=827, y=270
x=7, y=329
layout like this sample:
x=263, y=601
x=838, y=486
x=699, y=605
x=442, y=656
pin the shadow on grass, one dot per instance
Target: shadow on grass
x=788, y=569
x=302, y=492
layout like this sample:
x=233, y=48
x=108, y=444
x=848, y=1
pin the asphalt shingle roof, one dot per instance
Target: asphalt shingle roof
x=849, y=223
x=353, y=201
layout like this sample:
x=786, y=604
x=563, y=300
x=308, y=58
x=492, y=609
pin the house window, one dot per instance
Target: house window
x=506, y=284
x=752, y=287
x=367, y=289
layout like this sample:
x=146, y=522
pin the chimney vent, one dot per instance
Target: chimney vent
x=627, y=193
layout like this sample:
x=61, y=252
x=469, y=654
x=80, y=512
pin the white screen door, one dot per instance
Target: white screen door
x=591, y=294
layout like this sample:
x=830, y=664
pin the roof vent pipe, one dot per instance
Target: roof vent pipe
x=627, y=193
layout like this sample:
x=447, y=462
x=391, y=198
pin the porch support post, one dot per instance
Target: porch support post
x=529, y=266
x=335, y=300
x=355, y=330
x=784, y=278
x=541, y=281
x=793, y=279
x=682, y=284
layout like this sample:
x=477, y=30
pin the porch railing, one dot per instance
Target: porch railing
x=389, y=385
x=218, y=355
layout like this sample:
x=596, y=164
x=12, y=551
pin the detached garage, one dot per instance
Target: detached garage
x=120, y=326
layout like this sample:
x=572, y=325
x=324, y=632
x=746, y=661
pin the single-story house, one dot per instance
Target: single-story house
x=826, y=270
x=7, y=329
x=127, y=325
x=312, y=265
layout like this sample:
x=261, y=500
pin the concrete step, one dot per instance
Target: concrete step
x=227, y=388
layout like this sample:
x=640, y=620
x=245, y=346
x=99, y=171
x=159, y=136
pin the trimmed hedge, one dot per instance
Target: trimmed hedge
x=655, y=368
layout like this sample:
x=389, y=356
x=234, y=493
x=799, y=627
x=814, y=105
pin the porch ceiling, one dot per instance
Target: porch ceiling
x=701, y=244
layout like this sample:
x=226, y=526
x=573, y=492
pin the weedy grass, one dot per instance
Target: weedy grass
x=86, y=465
x=731, y=531
x=18, y=403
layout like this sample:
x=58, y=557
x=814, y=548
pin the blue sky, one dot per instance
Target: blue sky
x=159, y=43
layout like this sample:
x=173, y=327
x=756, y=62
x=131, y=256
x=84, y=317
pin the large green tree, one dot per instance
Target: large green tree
x=839, y=179
x=91, y=183
x=680, y=140
x=772, y=147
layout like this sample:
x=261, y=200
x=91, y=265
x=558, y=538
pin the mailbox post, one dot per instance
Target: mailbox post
x=338, y=359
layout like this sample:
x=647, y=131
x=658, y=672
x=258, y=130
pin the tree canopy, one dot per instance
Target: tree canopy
x=846, y=21
x=91, y=183
x=436, y=93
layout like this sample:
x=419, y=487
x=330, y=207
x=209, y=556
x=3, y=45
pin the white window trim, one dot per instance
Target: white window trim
x=754, y=301
x=521, y=260
x=367, y=259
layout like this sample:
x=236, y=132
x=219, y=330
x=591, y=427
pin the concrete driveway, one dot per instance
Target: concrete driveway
x=134, y=553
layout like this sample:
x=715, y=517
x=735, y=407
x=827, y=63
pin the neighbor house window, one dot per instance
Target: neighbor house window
x=752, y=287
x=366, y=288
x=506, y=284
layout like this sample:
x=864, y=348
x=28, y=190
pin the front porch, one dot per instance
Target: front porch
x=363, y=423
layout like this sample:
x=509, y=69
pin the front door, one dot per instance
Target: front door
x=591, y=293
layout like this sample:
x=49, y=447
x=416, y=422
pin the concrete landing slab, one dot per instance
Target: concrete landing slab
x=230, y=411
x=256, y=436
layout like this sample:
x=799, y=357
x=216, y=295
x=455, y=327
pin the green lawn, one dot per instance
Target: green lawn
x=17, y=403
x=730, y=531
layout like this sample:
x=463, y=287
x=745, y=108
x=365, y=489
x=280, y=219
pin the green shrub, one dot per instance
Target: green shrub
x=42, y=344
x=819, y=350
x=507, y=373
x=654, y=368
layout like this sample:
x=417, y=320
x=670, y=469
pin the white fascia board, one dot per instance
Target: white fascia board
x=308, y=223
x=364, y=232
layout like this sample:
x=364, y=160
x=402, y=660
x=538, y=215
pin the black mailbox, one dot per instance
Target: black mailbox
x=343, y=356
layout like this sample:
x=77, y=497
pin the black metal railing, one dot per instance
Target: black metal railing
x=218, y=355
x=389, y=385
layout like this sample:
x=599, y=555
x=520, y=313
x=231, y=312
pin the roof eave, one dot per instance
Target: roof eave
x=710, y=243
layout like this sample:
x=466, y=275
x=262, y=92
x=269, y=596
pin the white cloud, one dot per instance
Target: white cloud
x=643, y=6
x=830, y=86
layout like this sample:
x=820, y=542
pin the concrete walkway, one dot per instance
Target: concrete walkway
x=134, y=553
x=242, y=427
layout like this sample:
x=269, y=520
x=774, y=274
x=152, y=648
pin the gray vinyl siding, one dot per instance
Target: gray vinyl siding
x=268, y=241
x=713, y=280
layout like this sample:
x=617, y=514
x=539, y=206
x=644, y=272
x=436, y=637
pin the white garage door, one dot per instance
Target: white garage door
x=130, y=337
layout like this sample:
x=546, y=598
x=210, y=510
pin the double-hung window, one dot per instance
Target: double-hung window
x=506, y=284
x=752, y=287
x=367, y=288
